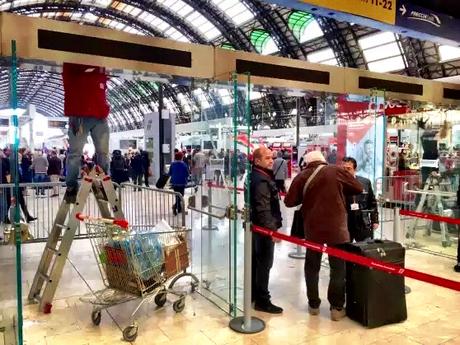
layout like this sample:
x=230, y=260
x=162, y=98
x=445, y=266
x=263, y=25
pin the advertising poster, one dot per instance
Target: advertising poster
x=360, y=133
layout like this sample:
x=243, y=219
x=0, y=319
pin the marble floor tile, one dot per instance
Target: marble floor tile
x=433, y=312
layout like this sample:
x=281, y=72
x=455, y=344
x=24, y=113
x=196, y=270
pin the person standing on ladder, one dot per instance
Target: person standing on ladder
x=86, y=106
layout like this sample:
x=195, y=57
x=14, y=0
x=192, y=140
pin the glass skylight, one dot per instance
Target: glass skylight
x=225, y=96
x=382, y=52
x=304, y=26
x=263, y=42
x=235, y=10
x=184, y=102
x=376, y=40
x=195, y=18
x=198, y=93
x=448, y=53
x=324, y=56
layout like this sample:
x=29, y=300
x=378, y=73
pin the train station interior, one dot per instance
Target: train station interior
x=103, y=245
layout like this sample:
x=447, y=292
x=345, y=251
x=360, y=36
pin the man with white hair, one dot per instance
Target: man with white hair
x=321, y=189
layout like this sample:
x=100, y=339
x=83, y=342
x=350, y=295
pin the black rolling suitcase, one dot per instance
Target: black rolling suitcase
x=376, y=298
x=162, y=181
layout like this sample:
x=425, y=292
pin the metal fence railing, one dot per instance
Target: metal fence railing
x=141, y=206
x=145, y=206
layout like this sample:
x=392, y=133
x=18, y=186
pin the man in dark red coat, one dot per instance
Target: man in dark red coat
x=325, y=222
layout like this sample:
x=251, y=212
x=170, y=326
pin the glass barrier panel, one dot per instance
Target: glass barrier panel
x=209, y=143
x=10, y=227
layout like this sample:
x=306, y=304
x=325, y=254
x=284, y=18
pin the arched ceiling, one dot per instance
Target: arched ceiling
x=249, y=25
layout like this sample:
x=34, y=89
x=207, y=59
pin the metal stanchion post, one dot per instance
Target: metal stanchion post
x=397, y=236
x=298, y=254
x=397, y=225
x=247, y=324
x=210, y=225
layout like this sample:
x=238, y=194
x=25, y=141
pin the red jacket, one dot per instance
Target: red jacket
x=85, y=91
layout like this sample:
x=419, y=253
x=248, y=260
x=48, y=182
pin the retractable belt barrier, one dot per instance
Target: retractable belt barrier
x=363, y=261
x=430, y=217
x=239, y=189
x=213, y=185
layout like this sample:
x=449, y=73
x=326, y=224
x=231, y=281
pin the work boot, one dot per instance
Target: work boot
x=268, y=307
x=337, y=314
x=30, y=219
x=313, y=311
x=70, y=195
x=457, y=268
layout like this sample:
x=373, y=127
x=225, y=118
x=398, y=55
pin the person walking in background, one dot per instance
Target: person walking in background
x=363, y=216
x=280, y=171
x=178, y=171
x=138, y=169
x=118, y=168
x=325, y=222
x=40, y=168
x=146, y=167
x=265, y=212
x=7, y=176
x=198, y=164
x=332, y=157
x=54, y=171
x=26, y=162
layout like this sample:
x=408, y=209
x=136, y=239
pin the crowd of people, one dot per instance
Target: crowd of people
x=39, y=166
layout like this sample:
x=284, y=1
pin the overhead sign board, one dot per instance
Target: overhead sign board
x=399, y=16
x=423, y=20
x=381, y=10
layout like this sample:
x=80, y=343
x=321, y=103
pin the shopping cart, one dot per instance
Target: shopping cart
x=136, y=263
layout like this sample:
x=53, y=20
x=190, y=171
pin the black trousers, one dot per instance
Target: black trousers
x=336, y=290
x=280, y=185
x=22, y=203
x=359, y=233
x=262, y=261
x=137, y=179
x=146, y=179
x=178, y=205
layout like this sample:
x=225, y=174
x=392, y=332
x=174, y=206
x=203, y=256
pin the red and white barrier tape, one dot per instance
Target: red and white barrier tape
x=430, y=217
x=364, y=261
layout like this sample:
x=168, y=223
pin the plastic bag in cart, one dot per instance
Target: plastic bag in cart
x=143, y=253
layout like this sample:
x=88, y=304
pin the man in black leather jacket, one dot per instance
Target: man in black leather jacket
x=265, y=212
x=363, y=216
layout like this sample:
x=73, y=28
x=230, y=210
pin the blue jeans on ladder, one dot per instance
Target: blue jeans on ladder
x=79, y=129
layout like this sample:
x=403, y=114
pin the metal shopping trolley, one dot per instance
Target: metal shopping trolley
x=137, y=263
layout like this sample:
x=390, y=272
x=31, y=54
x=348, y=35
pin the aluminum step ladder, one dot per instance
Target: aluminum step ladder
x=432, y=203
x=66, y=224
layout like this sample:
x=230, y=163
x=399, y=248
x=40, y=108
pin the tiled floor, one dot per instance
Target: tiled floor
x=434, y=313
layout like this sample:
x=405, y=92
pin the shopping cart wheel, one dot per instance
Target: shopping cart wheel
x=179, y=305
x=130, y=333
x=96, y=317
x=160, y=298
